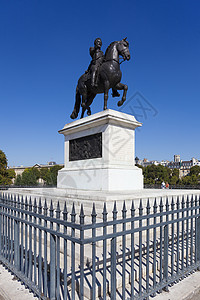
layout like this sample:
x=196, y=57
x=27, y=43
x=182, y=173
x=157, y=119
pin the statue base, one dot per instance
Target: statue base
x=99, y=153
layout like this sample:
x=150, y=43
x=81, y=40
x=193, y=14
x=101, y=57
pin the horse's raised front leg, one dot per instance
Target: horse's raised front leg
x=106, y=89
x=121, y=86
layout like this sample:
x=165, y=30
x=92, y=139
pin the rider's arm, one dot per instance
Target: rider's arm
x=92, y=50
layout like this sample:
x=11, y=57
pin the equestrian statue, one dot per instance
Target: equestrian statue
x=103, y=73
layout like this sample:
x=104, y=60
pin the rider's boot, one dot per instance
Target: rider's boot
x=93, y=81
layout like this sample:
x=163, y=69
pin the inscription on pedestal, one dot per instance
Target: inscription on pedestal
x=86, y=147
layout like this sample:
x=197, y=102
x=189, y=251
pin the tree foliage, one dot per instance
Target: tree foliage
x=49, y=175
x=3, y=163
x=28, y=178
x=6, y=175
x=195, y=170
x=156, y=174
x=31, y=176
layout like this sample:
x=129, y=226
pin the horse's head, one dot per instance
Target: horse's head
x=123, y=49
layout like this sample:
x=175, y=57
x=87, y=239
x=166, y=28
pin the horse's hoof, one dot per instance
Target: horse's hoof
x=89, y=112
x=120, y=103
x=74, y=115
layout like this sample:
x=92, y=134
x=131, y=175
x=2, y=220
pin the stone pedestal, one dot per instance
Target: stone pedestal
x=100, y=152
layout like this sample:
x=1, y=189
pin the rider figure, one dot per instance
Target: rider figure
x=97, y=59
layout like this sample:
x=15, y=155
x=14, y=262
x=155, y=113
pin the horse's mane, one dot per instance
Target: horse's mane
x=109, y=48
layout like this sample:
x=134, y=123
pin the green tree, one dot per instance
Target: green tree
x=156, y=174
x=174, y=178
x=30, y=177
x=54, y=173
x=195, y=170
x=3, y=163
x=6, y=175
x=18, y=180
x=49, y=175
x=11, y=173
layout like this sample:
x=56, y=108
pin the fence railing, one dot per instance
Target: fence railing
x=61, y=255
x=173, y=186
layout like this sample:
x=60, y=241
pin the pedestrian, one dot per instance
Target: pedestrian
x=163, y=185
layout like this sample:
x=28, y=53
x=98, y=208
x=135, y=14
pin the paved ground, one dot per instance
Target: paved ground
x=11, y=289
x=187, y=289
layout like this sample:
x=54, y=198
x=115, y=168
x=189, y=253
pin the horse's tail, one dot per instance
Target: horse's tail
x=77, y=105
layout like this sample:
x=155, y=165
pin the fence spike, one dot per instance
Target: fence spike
x=35, y=206
x=172, y=203
x=105, y=213
x=195, y=201
x=155, y=206
x=94, y=214
x=183, y=202
x=45, y=208
x=187, y=201
x=161, y=204
x=73, y=213
x=192, y=201
x=114, y=211
x=65, y=212
x=22, y=202
x=11, y=199
x=148, y=207
x=40, y=206
x=124, y=210
x=132, y=209
x=30, y=204
x=51, y=209
x=178, y=202
x=167, y=204
x=58, y=210
x=140, y=208
x=18, y=201
x=26, y=203
x=81, y=216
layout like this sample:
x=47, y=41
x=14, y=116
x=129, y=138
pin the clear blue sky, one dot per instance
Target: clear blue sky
x=44, y=50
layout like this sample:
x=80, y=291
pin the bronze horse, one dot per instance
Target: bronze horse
x=109, y=76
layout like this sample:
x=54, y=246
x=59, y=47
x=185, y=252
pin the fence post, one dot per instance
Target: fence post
x=105, y=213
x=113, y=256
x=73, y=220
x=0, y=224
x=65, y=252
x=58, y=254
x=16, y=241
x=52, y=258
x=132, y=249
x=140, y=248
x=93, y=215
x=198, y=242
x=82, y=216
x=165, y=266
